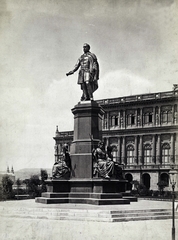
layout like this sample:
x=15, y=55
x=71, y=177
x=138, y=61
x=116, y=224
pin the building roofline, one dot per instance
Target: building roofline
x=139, y=97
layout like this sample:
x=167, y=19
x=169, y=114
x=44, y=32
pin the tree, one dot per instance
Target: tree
x=26, y=181
x=18, y=183
x=161, y=185
x=6, y=188
x=33, y=186
x=142, y=190
x=44, y=176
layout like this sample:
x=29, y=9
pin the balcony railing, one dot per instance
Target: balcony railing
x=142, y=97
x=157, y=162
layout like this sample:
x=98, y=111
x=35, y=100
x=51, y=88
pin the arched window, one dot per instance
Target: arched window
x=114, y=120
x=165, y=177
x=129, y=178
x=148, y=119
x=166, y=117
x=130, y=119
x=130, y=154
x=146, y=180
x=165, y=153
x=147, y=154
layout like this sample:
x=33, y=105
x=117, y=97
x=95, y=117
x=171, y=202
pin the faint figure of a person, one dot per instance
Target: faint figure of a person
x=62, y=168
x=88, y=73
x=104, y=164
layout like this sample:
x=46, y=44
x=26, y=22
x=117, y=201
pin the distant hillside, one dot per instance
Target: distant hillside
x=26, y=173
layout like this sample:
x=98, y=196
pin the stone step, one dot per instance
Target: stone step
x=93, y=201
x=82, y=195
x=96, y=195
x=89, y=217
x=55, y=195
x=131, y=199
x=88, y=211
x=88, y=214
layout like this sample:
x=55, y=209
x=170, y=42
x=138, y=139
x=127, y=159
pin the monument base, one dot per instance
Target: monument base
x=86, y=191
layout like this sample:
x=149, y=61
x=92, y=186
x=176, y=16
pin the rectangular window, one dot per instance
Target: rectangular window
x=147, y=156
x=150, y=118
x=132, y=120
x=130, y=157
x=165, y=156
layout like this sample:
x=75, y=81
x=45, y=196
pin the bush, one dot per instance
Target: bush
x=6, y=191
x=167, y=194
x=161, y=185
x=142, y=190
x=134, y=192
x=150, y=193
x=44, y=176
x=155, y=193
x=33, y=186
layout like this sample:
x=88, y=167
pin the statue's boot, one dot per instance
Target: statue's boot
x=85, y=93
x=89, y=90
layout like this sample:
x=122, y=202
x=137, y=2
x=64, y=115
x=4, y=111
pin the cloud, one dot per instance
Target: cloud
x=122, y=83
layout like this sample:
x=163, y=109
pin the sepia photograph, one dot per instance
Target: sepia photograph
x=89, y=119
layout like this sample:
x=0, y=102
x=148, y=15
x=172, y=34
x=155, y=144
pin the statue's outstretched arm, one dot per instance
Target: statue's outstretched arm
x=75, y=68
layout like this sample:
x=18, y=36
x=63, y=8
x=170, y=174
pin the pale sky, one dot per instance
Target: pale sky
x=135, y=41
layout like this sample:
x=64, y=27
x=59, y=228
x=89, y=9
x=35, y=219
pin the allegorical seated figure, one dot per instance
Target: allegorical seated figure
x=118, y=173
x=104, y=165
x=62, y=168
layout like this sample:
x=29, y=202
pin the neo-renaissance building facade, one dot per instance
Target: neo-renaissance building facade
x=143, y=130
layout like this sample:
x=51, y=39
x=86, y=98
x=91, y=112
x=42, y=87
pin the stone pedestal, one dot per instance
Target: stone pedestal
x=87, y=133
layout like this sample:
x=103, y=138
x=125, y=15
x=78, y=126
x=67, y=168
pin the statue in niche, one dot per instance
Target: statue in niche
x=88, y=73
x=104, y=166
x=62, y=168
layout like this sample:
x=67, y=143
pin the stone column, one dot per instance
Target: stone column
x=119, y=149
x=123, y=151
x=141, y=117
x=172, y=149
x=173, y=114
x=154, y=149
x=108, y=122
x=136, y=150
x=158, y=155
x=154, y=116
x=136, y=118
x=159, y=116
x=119, y=119
x=124, y=120
x=140, y=160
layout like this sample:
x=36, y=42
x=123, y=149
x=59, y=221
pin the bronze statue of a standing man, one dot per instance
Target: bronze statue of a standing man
x=88, y=73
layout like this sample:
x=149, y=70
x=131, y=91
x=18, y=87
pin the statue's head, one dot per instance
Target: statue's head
x=86, y=47
x=101, y=144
